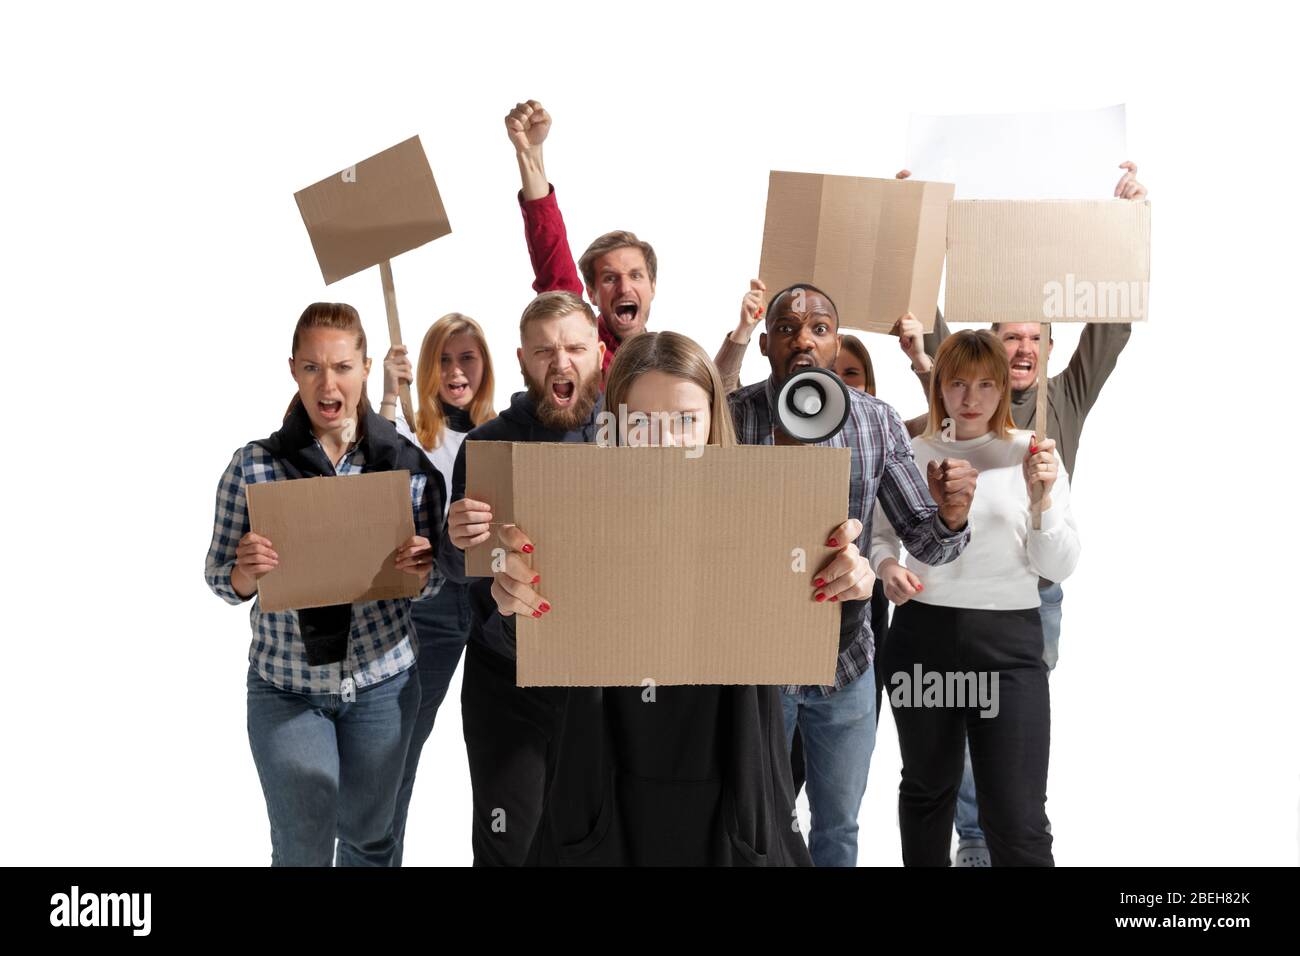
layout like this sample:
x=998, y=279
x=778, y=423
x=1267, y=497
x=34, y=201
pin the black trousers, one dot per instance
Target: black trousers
x=509, y=733
x=1009, y=752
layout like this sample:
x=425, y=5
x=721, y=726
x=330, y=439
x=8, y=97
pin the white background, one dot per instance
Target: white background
x=155, y=263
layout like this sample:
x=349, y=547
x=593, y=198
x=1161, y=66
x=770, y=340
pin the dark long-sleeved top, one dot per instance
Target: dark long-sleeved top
x=519, y=422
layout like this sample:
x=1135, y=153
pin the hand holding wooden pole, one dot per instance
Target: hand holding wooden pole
x=395, y=335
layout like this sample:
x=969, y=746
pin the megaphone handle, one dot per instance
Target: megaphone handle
x=395, y=335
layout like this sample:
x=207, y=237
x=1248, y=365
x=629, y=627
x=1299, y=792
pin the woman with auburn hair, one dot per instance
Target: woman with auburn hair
x=332, y=698
x=681, y=775
x=974, y=622
x=454, y=387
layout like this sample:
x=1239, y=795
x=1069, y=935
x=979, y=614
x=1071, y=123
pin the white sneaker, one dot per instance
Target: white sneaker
x=972, y=853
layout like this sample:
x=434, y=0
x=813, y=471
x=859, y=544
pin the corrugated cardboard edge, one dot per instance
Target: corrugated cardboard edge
x=965, y=302
x=923, y=302
x=529, y=632
x=407, y=586
x=367, y=168
x=489, y=477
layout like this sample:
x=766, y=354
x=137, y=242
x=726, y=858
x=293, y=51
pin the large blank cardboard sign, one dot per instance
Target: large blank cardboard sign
x=374, y=211
x=875, y=245
x=1048, y=261
x=669, y=569
x=337, y=539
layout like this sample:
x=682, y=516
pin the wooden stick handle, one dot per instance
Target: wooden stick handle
x=395, y=335
x=1040, y=414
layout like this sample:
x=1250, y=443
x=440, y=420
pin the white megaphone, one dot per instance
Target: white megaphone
x=813, y=405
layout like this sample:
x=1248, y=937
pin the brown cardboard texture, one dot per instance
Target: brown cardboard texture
x=875, y=246
x=337, y=539
x=666, y=568
x=373, y=211
x=1048, y=260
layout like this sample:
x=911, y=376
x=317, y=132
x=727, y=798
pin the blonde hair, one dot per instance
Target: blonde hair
x=430, y=418
x=552, y=305
x=610, y=242
x=971, y=354
x=676, y=355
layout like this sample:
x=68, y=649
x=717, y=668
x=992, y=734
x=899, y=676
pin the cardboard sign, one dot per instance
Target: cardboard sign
x=337, y=539
x=665, y=568
x=1067, y=154
x=1048, y=261
x=373, y=211
x=875, y=245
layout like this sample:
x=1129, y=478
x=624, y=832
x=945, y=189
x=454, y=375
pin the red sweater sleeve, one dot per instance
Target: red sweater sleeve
x=548, y=246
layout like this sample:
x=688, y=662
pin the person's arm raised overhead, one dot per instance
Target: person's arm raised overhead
x=1100, y=342
x=527, y=126
x=935, y=337
x=732, y=354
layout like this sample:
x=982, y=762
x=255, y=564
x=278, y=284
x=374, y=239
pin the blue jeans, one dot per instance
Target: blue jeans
x=967, y=821
x=331, y=767
x=839, y=734
x=442, y=627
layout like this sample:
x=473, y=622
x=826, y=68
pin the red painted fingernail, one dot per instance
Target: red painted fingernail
x=820, y=597
x=834, y=599
x=528, y=549
x=536, y=578
x=1033, y=449
x=832, y=543
x=920, y=588
x=537, y=614
x=819, y=582
x=543, y=606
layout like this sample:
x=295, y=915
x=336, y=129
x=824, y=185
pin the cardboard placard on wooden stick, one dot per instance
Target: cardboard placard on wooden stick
x=1048, y=261
x=875, y=246
x=370, y=213
x=337, y=539
x=666, y=568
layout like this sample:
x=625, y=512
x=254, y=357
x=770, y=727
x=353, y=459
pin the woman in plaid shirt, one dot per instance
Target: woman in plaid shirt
x=331, y=694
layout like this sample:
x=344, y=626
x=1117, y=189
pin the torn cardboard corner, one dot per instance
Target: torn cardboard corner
x=664, y=568
x=1048, y=260
x=336, y=537
x=876, y=246
x=373, y=211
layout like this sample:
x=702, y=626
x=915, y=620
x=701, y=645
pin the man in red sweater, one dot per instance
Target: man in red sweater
x=617, y=270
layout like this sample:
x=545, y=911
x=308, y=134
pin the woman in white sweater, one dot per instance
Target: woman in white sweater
x=965, y=651
x=454, y=389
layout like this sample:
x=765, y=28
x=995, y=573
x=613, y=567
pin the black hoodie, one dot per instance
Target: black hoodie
x=519, y=422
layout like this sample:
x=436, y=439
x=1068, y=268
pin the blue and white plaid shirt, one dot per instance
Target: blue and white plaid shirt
x=882, y=468
x=382, y=643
